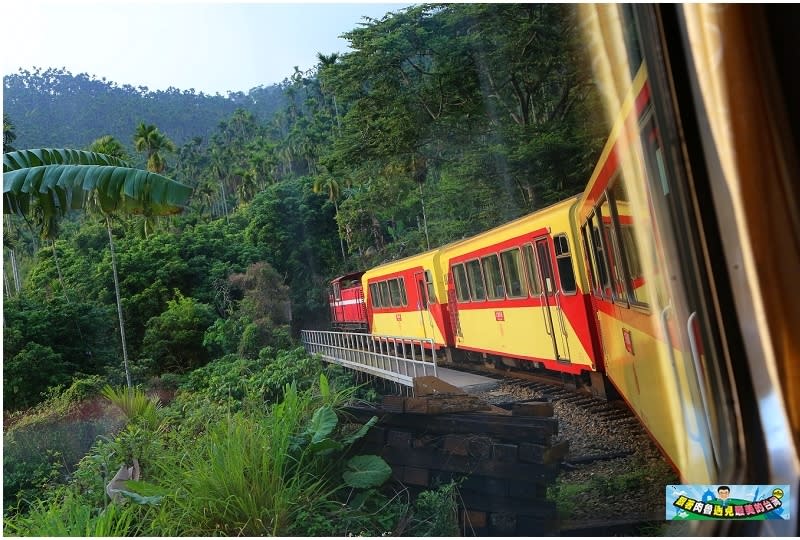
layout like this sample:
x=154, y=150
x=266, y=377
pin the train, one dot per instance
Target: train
x=669, y=279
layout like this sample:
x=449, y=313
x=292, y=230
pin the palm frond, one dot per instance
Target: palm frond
x=60, y=180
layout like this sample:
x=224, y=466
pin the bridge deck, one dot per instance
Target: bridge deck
x=469, y=382
x=394, y=358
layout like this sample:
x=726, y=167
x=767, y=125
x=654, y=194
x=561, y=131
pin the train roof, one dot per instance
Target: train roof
x=513, y=223
x=435, y=252
x=352, y=275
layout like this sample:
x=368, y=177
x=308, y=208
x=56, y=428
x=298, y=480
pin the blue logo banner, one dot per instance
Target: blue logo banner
x=717, y=501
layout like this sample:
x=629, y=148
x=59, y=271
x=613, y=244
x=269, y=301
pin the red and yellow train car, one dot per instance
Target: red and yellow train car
x=517, y=293
x=407, y=298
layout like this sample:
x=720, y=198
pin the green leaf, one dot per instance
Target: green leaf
x=57, y=180
x=322, y=423
x=141, y=499
x=324, y=387
x=324, y=446
x=146, y=488
x=366, y=471
x=361, y=431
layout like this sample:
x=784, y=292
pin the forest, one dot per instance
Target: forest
x=444, y=120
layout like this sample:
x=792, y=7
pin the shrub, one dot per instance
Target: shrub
x=173, y=340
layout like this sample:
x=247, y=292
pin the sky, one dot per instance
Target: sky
x=211, y=46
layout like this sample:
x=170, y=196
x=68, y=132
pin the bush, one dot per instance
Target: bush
x=173, y=340
x=29, y=373
x=232, y=378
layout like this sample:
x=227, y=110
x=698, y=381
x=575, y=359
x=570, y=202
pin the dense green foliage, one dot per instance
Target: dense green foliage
x=53, y=107
x=229, y=467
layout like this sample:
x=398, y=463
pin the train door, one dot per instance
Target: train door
x=551, y=307
x=423, y=305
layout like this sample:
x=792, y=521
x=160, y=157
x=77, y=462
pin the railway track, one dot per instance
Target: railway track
x=611, y=456
x=554, y=389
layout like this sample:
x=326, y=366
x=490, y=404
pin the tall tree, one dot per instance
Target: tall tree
x=326, y=183
x=57, y=180
x=8, y=134
x=149, y=140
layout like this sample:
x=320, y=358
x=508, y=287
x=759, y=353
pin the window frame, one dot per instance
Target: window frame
x=568, y=256
x=470, y=281
x=520, y=273
x=486, y=275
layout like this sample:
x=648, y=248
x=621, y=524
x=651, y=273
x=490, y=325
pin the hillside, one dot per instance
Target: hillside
x=54, y=108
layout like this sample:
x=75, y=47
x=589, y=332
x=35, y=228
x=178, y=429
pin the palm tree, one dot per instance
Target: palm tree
x=324, y=63
x=8, y=133
x=54, y=181
x=109, y=145
x=150, y=140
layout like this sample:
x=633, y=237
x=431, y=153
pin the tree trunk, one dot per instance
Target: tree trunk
x=6, y=285
x=339, y=230
x=58, y=269
x=119, y=303
x=424, y=218
x=224, y=199
x=15, y=271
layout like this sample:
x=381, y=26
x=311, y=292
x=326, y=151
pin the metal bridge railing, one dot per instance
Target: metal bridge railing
x=394, y=358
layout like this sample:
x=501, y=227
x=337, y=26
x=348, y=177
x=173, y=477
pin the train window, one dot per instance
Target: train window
x=429, y=286
x=337, y=291
x=624, y=229
x=394, y=293
x=566, y=272
x=589, y=261
x=617, y=290
x=423, y=298
x=599, y=257
x=475, y=276
x=373, y=293
x=515, y=283
x=383, y=287
x=532, y=270
x=460, y=278
x=403, y=298
x=494, y=277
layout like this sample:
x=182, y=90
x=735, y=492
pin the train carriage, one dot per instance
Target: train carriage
x=643, y=354
x=516, y=293
x=405, y=298
x=346, y=302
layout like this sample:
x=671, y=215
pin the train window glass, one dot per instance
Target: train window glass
x=494, y=277
x=532, y=270
x=546, y=267
x=460, y=277
x=403, y=298
x=423, y=298
x=589, y=261
x=475, y=276
x=566, y=273
x=394, y=293
x=337, y=291
x=599, y=257
x=383, y=287
x=515, y=283
x=618, y=291
x=373, y=293
x=429, y=286
x=632, y=260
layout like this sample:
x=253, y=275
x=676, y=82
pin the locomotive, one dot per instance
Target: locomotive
x=666, y=277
